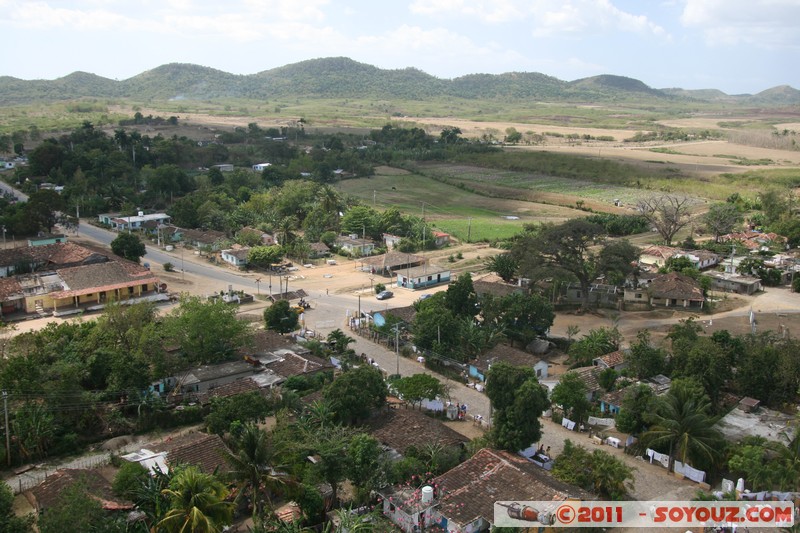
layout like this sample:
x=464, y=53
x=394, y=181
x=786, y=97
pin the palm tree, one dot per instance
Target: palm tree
x=197, y=503
x=682, y=421
x=251, y=467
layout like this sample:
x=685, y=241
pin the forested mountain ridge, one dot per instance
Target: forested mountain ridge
x=340, y=77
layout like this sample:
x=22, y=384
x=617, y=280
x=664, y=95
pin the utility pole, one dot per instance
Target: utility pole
x=77, y=221
x=8, y=433
x=469, y=229
x=397, y=346
x=373, y=198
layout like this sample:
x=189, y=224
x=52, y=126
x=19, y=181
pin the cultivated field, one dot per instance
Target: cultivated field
x=455, y=210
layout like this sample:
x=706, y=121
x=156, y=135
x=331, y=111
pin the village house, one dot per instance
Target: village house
x=123, y=223
x=656, y=257
x=48, y=257
x=318, y=249
x=235, y=256
x=354, y=245
x=390, y=262
x=440, y=238
x=206, y=452
x=402, y=429
x=390, y=241
x=260, y=167
x=615, y=360
x=611, y=402
x=197, y=238
x=600, y=295
x=507, y=354
x=47, y=238
x=493, y=285
x=87, y=287
x=422, y=276
x=728, y=282
x=462, y=499
x=49, y=493
x=675, y=290
x=260, y=237
x=700, y=259
x=589, y=375
x=202, y=379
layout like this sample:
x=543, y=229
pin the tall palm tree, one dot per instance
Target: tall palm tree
x=197, y=503
x=252, y=467
x=683, y=422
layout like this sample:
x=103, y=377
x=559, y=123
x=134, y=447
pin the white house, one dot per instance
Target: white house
x=236, y=257
x=122, y=223
x=260, y=167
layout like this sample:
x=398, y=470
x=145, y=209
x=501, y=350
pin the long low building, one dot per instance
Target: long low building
x=422, y=276
x=70, y=289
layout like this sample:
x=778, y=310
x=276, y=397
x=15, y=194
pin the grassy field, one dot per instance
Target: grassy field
x=449, y=208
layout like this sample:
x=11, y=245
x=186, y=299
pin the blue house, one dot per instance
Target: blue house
x=422, y=276
x=611, y=402
x=507, y=354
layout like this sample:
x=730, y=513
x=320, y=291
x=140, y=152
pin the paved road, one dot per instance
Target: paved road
x=6, y=188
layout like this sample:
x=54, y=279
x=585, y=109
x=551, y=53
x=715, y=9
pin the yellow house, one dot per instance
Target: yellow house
x=71, y=288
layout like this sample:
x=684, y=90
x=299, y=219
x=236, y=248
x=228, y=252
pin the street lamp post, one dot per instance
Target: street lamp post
x=397, y=346
x=270, y=283
x=258, y=286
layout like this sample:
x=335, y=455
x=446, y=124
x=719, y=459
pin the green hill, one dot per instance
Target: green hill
x=340, y=77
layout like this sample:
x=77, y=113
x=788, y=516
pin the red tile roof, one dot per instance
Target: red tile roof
x=676, y=286
x=401, y=429
x=205, y=451
x=507, y=354
x=88, y=279
x=613, y=359
x=49, y=493
x=468, y=491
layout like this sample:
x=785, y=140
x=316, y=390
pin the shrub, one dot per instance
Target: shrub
x=130, y=477
x=169, y=267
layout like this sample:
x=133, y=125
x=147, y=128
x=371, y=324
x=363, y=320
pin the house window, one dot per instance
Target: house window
x=577, y=294
x=144, y=287
x=430, y=278
x=392, y=507
x=639, y=295
x=130, y=290
x=538, y=372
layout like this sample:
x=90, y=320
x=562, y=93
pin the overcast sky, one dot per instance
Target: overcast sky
x=738, y=46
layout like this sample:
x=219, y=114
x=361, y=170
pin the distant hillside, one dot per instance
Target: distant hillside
x=340, y=77
x=613, y=84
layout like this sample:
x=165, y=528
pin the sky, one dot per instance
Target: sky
x=737, y=46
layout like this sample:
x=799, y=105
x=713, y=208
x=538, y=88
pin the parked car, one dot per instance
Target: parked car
x=384, y=295
x=424, y=297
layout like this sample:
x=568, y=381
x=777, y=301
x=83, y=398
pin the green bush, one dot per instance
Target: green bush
x=169, y=267
x=130, y=477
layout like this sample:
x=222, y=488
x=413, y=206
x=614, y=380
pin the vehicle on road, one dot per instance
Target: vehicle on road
x=384, y=295
x=424, y=297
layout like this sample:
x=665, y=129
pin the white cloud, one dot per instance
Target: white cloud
x=484, y=10
x=40, y=15
x=764, y=23
x=582, y=17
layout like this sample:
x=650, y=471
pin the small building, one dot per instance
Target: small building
x=507, y=354
x=260, y=167
x=253, y=234
x=205, y=378
x=50, y=492
x=740, y=284
x=206, y=452
x=493, y=285
x=197, y=238
x=235, y=256
x=440, y=238
x=700, y=259
x=589, y=375
x=288, y=363
x=422, y=276
x=676, y=290
x=390, y=241
x=318, y=249
x=355, y=246
x=615, y=360
x=224, y=167
x=390, y=262
x=657, y=255
x=403, y=429
x=118, y=222
x=611, y=402
x=462, y=499
x=47, y=238
x=599, y=295
x=749, y=405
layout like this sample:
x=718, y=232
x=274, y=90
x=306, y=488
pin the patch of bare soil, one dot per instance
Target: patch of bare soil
x=467, y=428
